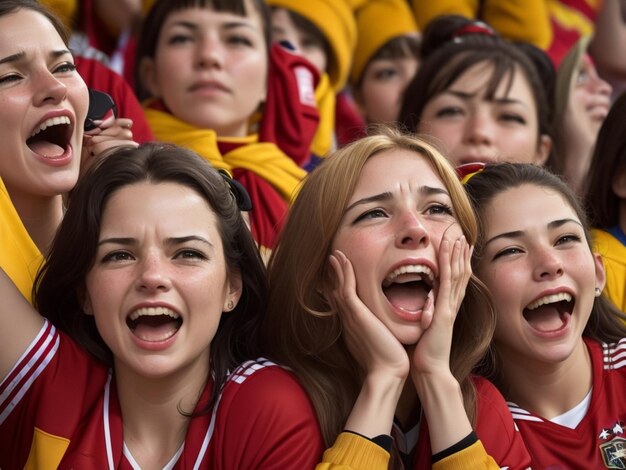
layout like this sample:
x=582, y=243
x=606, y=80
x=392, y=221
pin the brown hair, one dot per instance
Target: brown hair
x=12, y=6
x=60, y=284
x=302, y=330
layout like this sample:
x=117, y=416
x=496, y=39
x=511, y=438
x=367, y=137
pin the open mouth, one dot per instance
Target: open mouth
x=407, y=287
x=154, y=324
x=550, y=313
x=51, y=138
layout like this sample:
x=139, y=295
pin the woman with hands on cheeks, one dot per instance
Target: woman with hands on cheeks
x=367, y=284
x=559, y=344
x=44, y=105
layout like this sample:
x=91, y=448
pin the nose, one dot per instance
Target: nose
x=152, y=275
x=209, y=53
x=600, y=86
x=411, y=232
x=479, y=129
x=49, y=90
x=548, y=265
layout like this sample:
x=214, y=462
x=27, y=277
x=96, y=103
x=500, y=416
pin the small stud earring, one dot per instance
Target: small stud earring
x=598, y=292
x=230, y=305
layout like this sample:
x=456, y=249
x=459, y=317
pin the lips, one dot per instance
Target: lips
x=51, y=138
x=407, y=287
x=208, y=85
x=550, y=313
x=154, y=324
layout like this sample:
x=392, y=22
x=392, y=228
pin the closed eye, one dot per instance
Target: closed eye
x=6, y=79
x=239, y=40
x=190, y=254
x=179, y=39
x=568, y=239
x=449, y=111
x=512, y=117
x=507, y=252
x=65, y=67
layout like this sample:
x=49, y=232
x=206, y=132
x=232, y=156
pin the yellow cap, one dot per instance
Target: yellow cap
x=63, y=9
x=378, y=22
x=335, y=19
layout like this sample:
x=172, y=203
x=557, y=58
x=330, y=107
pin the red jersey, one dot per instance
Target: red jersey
x=59, y=409
x=599, y=440
x=494, y=427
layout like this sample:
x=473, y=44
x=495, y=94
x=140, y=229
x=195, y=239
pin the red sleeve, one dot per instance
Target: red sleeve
x=268, y=422
x=100, y=77
x=496, y=429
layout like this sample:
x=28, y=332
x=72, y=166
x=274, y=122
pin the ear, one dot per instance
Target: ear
x=600, y=273
x=543, y=150
x=148, y=76
x=235, y=289
x=618, y=183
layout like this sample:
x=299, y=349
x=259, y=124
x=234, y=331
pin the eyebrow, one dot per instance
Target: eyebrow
x=127, y=241
x=425, y=190
x=519, y=233
x=227, y=25
x=468, y=96
x=22, y=55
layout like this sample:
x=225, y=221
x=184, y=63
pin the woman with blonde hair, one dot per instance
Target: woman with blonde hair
x=366, y=282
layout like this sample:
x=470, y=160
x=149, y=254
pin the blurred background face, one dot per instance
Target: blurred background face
x=382, y=87
x=210, y=68
x=310, y=45
x=474, y=128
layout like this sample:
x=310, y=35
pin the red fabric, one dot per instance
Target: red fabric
x=290, y=116
x=349, y=124
x=564, y=38
x=263, y=418
x=102, y=78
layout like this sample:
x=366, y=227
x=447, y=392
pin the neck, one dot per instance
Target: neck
x=155, y=412
x=578, y=153
x=41, y=215
x=545, y=388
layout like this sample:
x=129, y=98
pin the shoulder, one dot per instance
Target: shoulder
x=491, y=407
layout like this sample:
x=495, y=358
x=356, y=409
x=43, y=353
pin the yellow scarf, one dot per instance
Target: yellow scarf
x=19, y=257
x=263, y=158
x=324, y=139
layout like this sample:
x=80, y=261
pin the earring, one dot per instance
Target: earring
x=230, y=305
x=598, y=292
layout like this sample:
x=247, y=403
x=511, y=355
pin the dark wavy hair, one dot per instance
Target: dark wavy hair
x=59, y=290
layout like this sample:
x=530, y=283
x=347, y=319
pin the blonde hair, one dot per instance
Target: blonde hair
x=301, y=329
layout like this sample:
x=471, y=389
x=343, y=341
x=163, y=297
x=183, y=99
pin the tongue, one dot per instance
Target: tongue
x=544, y=318
x=155, y=328
x=46, y=149
x=410, y=296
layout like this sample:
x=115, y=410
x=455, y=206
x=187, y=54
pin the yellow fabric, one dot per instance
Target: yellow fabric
x=614, y=257
x=351, y=451
x=571, y=18
x=263, y=158
x=472, y=457
x=20, y=258
x=323, y=141
x=335, y=19
x=65, y=10
x=46, y=451
x=520, y=20
x=378, y=22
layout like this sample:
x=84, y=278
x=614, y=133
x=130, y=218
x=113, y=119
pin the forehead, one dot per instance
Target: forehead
x=477, y=79
x=26, y=29
x=207, y=11
x=525, y=206
x=390, y=168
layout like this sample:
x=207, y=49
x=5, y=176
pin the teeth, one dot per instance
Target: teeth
x=550, y=299
x=51, y=122
x=414, y=268
x=152, y=312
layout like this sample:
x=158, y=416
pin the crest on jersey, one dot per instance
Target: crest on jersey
x=614, y=450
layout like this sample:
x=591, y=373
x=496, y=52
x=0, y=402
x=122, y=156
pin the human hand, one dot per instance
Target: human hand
x=432, y=352
x=369, y=340
x=109, y=134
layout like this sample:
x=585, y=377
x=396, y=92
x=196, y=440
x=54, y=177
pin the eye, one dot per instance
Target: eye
x=179, y=39
x=512, y=117
x=568, y=239
x=116, y=256
x=449, y=111
x=439, y=209
x=507, y=252
x=371, y=214
x=7, y=79
x=582, y=77
x=385, y=73
x=189, y=253
x=64, y=68
x=239, y=40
